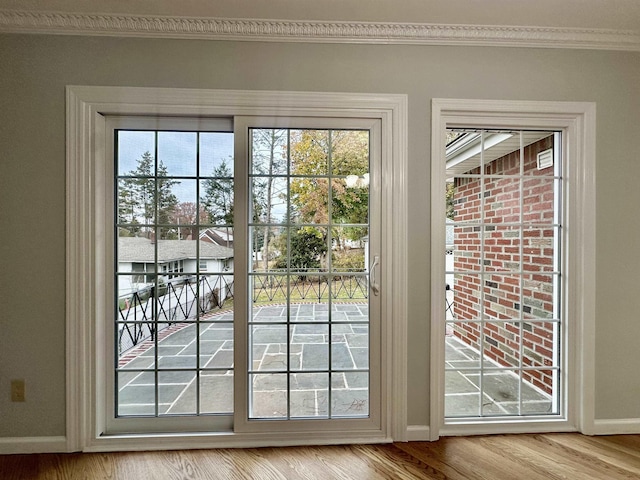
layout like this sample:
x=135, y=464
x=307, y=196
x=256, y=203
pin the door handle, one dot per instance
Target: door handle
x=375, y=286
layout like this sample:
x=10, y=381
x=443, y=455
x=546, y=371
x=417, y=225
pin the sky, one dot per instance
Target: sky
x=178, y=152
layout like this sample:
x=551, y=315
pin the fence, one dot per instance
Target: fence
x=147, y=311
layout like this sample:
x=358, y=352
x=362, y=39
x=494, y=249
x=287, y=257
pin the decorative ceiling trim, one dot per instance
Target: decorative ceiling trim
x=18, y=21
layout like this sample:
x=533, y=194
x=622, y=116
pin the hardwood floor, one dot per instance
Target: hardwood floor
x=530, y=457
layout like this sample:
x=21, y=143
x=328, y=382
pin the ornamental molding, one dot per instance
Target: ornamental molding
x=18, y=21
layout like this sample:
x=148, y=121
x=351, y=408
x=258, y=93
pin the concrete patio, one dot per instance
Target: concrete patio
x=311, y=356
x=502, y=390
x=310, y=359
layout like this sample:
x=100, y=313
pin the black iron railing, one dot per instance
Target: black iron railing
x=306, y=288
x=145, y=312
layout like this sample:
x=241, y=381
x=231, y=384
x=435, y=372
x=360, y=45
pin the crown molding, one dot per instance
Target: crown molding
x=19, y=21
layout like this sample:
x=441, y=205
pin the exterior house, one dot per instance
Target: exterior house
x=177, y=260
x=218, y=236
x=498, y=250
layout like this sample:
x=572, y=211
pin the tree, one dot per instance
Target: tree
x=146, y=194
x=218, y=195
x=347, y=153
x=450, y=198
x=267, y=162
x=185, y=214
x=307, y=248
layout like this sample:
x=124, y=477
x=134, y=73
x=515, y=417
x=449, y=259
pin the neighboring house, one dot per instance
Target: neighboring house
x=176, y=259
x=218, y=236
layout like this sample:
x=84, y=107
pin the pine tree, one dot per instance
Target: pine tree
x=145, y=195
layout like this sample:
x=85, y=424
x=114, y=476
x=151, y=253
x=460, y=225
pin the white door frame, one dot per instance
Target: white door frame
x=577, y=122
x=86, y=271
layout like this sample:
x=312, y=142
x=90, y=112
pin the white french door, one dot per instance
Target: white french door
x=308, y=338
x=512, y=278
x=246, y=276
x=505, y=266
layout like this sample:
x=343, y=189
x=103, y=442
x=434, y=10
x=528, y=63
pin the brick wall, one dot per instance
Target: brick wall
x=503, y=283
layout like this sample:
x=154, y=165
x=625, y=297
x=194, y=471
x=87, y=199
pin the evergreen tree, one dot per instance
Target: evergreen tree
x=143, y=193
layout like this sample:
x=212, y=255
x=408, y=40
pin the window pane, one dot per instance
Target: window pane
x=503, y=273
x=216, y=200
x=216, y=154
x=269, y=200
x=309, y=395
x=216, y=392
x=177, y=154
x=353, y=400
x=136, y=393
x=177, y=392
x=269, y=151
x=269, y=396
x=171, y=272
x=313, y=341
x=309, y=200
x=132, y=147
x=310, y=151
x=539, y=155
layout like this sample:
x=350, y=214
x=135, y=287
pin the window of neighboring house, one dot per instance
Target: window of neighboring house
x=202, y=265
x=511, y=309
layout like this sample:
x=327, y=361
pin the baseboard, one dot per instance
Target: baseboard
x=418, y=433
x=14, y=445
x=620, y=426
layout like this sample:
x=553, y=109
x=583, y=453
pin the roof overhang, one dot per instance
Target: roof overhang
x=470, y=149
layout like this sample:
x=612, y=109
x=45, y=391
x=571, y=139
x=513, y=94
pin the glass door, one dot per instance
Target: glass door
x=504, y=326
x=313, y=318
x=172, y=335
x=246, y=282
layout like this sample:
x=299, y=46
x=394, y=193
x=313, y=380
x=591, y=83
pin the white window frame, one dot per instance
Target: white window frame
x=171, y=270
x=86, y=273
x=576, y=121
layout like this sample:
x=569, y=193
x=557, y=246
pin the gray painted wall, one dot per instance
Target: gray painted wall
x=34, y=71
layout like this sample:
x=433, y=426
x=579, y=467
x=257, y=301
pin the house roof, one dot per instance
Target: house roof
x=466, y=151
x=222, y=233
x=142, y=250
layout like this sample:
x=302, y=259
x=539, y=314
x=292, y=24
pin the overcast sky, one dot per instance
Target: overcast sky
x=178, y=151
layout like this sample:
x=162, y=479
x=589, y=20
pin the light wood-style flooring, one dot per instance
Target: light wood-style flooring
x=527, y=457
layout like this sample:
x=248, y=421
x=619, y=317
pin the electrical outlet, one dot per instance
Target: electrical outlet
x=17, y=391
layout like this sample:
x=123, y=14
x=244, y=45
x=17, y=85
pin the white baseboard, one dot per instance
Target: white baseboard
x=620, y=426
x=418, y=433
x=415, y=433
x=14, y=445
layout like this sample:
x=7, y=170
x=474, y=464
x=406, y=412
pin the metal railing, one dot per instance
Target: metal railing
x=145, y=312
x=318, y=288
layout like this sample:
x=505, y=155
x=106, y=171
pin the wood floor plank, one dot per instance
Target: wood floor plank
x=595, y=452
x=622, y=456
x=536, y=458
x=569, y=461
x=498, y=457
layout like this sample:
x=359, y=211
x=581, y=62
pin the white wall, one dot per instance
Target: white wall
x=33, y=74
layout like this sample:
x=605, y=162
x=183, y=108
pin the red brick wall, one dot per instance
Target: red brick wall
x=502, y=246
